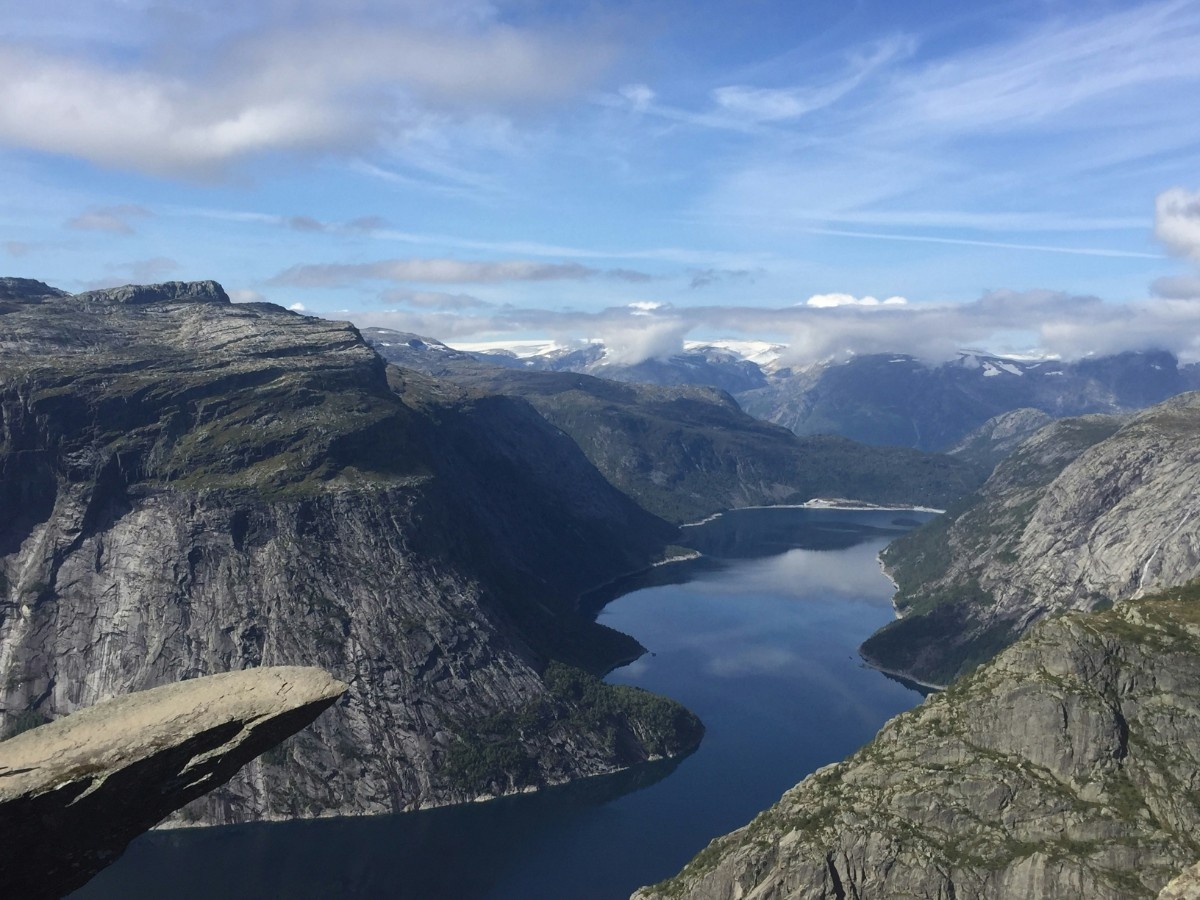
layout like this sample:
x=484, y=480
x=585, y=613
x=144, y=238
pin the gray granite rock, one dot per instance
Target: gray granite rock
x=191, y=486
x=1069, y=767
x=74, y=792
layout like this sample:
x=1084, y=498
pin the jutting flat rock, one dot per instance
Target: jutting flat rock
x=75, y=792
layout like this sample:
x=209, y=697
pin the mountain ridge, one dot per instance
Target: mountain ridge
x=880, y=398
x=207, y=486
x=1087, y=511
x=686, y=452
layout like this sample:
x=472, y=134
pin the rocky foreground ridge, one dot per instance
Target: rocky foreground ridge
x=192, y=486
x=1086, y=512
x=74, y=793
x=1068, y=767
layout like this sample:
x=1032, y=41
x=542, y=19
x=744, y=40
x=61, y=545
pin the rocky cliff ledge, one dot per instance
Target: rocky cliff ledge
x=1068, y=767
x=75, y=792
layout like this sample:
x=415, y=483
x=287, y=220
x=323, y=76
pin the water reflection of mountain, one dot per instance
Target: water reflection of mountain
x=749, y=534
x=757, y=533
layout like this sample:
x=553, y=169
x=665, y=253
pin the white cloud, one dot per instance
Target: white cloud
x=156, y=269
x=298, y=307
x=336, y=84
x=1046, y=322
x=1177, y=221
x=632, y=342
x=646, y=306
x=820, y=301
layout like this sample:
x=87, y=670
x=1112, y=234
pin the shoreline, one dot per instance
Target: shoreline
x=902, y=676
x=822, y=503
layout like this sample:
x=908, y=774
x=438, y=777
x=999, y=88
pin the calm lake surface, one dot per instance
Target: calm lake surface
x=758, y=638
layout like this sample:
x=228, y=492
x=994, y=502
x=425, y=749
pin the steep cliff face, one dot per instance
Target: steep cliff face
x=74, y=793
x=686, y=452
x=1087, y=511
x=1068, y=767
x=192, y=486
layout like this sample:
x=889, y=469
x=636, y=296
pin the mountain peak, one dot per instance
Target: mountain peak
x=168, y=291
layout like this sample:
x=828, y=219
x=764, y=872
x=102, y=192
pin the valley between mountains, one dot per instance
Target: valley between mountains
x=192, y=486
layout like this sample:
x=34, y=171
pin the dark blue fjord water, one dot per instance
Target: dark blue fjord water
x=758, y=638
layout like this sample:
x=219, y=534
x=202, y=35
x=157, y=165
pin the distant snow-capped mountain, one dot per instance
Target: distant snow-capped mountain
x=883, y=399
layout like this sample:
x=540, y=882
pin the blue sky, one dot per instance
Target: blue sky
x=1019, y=175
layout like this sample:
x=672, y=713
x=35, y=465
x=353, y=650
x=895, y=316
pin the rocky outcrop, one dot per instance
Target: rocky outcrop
x=1069, y=767
x=1185, y=886
x=195, y=486
x=1086, y=512
x=75, y=792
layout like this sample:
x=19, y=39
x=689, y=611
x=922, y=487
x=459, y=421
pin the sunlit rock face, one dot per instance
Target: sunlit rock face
x=73, y=793
x=1085, y=512
x=1068, y=767
x=192, y=486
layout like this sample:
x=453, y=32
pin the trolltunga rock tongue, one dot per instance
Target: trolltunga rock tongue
x=75, y=792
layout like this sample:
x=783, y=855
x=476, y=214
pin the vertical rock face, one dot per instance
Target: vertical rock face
x=1086, y=511
x=1069, y=767
x=75, y=792
x=191, y=486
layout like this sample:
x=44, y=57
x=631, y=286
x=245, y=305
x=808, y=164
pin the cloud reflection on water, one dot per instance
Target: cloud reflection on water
x=809, y=575
x=792, y=621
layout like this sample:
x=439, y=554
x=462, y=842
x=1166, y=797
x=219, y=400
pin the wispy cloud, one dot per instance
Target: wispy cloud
x=972, y=242
x=760, y=104
x=113, y=219
x=1177, y=221
x=1017, y=134
x=746, y=108
x=1054, y=76
x=445, y=271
